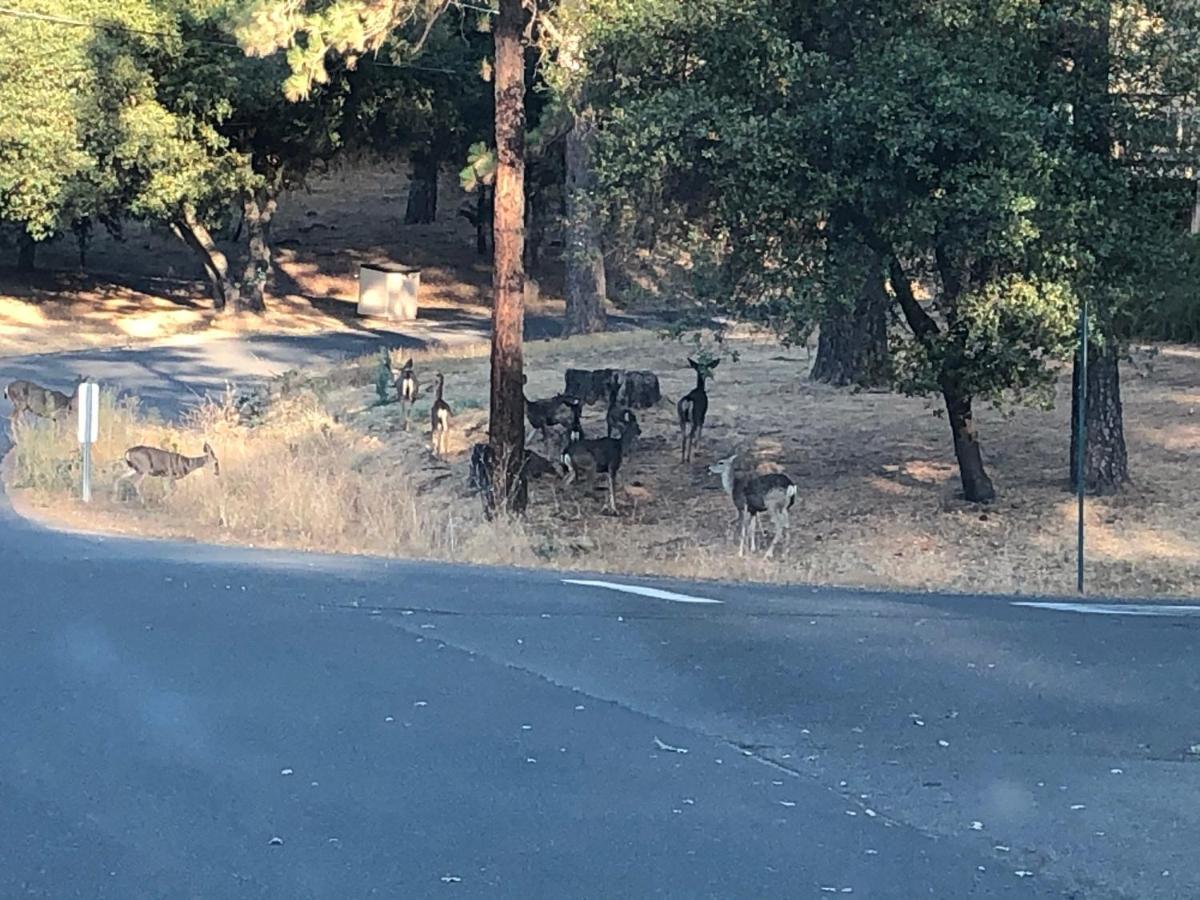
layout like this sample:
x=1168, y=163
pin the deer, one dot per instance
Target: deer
x=406, y=390
x=693, y=408
x=601, y=455
x=439, y=420
x=561, y=410
x=613, y=418
x=773, y=494
x=45, y=403
x=158, y=463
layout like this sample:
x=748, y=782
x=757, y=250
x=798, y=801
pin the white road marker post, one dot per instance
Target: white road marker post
x=89, y=430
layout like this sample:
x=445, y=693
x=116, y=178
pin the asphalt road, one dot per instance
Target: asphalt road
x=181, y=721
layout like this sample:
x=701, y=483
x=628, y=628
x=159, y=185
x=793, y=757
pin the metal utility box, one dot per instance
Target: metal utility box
x=388, y=292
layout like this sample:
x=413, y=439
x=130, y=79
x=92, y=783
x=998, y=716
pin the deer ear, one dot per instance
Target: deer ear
x=716, y=362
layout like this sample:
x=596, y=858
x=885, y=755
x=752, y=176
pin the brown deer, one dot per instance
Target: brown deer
x=693, y=409
x=604, y=455
x=773, y=494
x=45, y=403
x=157, y=463
x=439, y=421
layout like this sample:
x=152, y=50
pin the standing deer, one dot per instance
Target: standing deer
x=773, y=494
x=693, y=408
x=45, y=403
x=601, y=455
x=406, y=391
x=439, y=421
x=158, y=463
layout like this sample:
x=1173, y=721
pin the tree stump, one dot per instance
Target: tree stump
x=639, y=389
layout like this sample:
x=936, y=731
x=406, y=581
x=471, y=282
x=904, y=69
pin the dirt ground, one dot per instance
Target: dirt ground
x=877, y=503
x=149, y=286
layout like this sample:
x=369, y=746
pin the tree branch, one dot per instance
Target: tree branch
x=921, y=323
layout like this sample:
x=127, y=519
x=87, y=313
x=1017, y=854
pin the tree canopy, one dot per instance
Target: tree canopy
x=794, y=144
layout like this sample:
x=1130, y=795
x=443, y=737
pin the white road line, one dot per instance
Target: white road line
x=643, y=591
x=1115, y=609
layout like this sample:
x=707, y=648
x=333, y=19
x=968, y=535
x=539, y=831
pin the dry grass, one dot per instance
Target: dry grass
x=149, y=287
x=877, y=504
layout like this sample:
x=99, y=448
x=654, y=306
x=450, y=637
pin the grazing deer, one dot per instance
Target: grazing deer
x=406, y=391
x=157, y=463
x=601, y=455
x=773, y=494
x=439, y=421
x=561, y=410
x=693, y=408
x=45, y=403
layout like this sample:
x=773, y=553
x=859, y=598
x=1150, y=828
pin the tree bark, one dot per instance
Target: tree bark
x=422, y=188
x=507, y=421
x=1105, y=460
x=258, y=209
x=192, y=232
x=852, y=345
x=977, y=487
x=583, y=260
x=26, y=252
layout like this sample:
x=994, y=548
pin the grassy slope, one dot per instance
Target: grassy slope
x=877, y=486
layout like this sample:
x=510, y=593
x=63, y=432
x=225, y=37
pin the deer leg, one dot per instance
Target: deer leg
x=612, y=494
x=121, y=479
x=778, y=523
x=137, y=487
x=753, y=533
x=741, y=527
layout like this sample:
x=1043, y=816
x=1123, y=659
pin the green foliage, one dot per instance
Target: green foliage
x=776, y=147
x=312, y=32
x=63, y=130
x=480, y=169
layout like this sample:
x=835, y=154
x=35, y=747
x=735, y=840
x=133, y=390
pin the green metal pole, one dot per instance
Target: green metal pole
x=1081, y=438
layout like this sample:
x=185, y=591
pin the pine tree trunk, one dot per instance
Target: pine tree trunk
x=977, y=487
x=258, y=209
x=507, y=423
x=852, y=345
x=422, y=188
x=1105, y=460
x=583, y=258
x=195, y=235
x=26, y=252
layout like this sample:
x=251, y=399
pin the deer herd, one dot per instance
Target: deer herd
x=557, y=419
x=558, y=422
